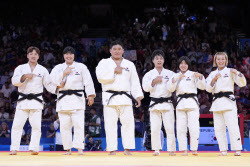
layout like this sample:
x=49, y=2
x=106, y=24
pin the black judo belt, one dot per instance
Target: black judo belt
x=69, y=92
x=191, y=95
x=223, y=94
x=120, y=93
x=31, y=97
x=160, y=100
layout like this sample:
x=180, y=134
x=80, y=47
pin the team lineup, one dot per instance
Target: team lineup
x=121, y=89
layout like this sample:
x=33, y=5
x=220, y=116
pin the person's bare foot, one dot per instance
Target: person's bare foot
x=112, y=153
x=13, y=152
x=195, y=153
x=34, y=152
x=237, y=153
x=171, y=153
x=127, y=152
x=80, y=152
x=156, y=153
x=68, y=152
x=223, y=153
x=185, y=153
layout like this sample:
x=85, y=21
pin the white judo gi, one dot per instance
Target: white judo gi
x=161, y=111
x=119, y=106
x=225, y=110
x=71, y=108
x=187, y=110
x=31, y=109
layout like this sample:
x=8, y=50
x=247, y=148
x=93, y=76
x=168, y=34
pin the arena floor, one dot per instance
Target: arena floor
x=138, y=159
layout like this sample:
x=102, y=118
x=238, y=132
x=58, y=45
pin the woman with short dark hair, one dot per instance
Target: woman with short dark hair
x=186, y=83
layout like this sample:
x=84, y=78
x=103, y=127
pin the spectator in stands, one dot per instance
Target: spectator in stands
x=49, y=114
x=243, y=100
x=58, y=142
x=4, y=130
x=93, y=145
x=4, y=77
x=246, y=130
x=204, y=108
x=51, y=131
x=25, y=140
x=3, y=113
x=8, y=108
x=94, y=124
x=6, y=89
x=2, y=100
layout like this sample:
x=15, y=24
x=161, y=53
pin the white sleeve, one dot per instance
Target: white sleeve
x=105, y=73
x=48, y=83
x=56, y=125
x=16, y=79
x=209, y=79
x=98, y=120
x=240, y=81
x=57, y=75
x=88, y=82
x=200, y=83
x=147, y=82
x=172, y=86
x=136, y=89
x=162, y=139
x=144, y=138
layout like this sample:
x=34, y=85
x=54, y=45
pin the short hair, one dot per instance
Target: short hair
x=31, y=48
x=158, y=52
x=116, y=42
x=92, y=108
x=186, y=59
x=220, y=53
x=69, y=49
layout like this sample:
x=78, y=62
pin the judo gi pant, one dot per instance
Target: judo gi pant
x=111, y=115
x=35, y=118
x=68, y=119
x=229, y=119
x=156, y=118
x=188, y=119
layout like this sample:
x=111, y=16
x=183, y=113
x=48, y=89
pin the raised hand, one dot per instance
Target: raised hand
x=181, y=76
x=199, y=75
x=233, y=71
x=90, y=99
x=29, y=76
x=138, y=104
x=67, y=71
x=158, y=79
x=118, y=70
x=217, y=76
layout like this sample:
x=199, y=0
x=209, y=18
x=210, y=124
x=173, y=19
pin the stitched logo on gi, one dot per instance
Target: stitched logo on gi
x=188, y=79
x=39, y=75
x=226, y=76
x=166, y=77
x=77, y=73
x=126, y=69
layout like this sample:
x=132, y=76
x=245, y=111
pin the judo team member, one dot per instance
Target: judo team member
x=72, y=78
x=186, y=83
x=161, y=107
x=221, y=84
x=120, y=86
x=30, y=79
